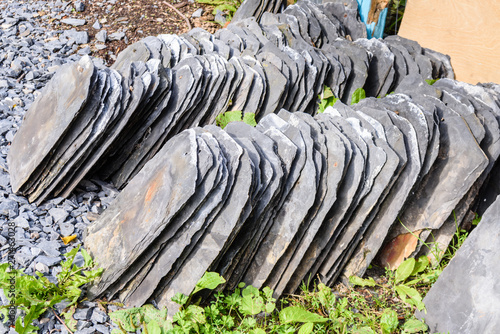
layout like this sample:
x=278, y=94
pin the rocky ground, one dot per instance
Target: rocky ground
x=36, y=37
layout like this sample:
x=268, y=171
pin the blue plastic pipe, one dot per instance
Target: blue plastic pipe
x=374, y=31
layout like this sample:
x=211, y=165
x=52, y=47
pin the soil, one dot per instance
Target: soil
x=137, y=19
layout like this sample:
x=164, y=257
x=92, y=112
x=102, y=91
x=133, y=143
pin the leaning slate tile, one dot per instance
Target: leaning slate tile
x=441, y=189
x=208, y=174
x=128, y=226
x=134, y=52
x=465, y=299
x=381, y=64
x=55, y=167
x=275, y=88
x=332, y=176
x=258, y=91
x=376, y=233
x=220, y=234
x=359, y=73
x=404, y=107
x=266, y=186
x=38, y=135
x=353, y=174
x=446, y=69
x=173, y=249
x=283, y=227
x=110, y=111
x=467, y=112
x=264, y=212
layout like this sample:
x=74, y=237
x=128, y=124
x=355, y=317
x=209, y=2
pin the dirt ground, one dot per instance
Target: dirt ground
x=139, y=19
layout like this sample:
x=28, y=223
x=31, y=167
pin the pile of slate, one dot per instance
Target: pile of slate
x=111, y=121
x=298, y=195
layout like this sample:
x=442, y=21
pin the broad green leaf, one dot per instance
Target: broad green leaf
x=325, y=296
x=196, y=314
x=404, y=270
x=420, y=265
x=33, y=313
x=270, y=306
x=152, y=327
x=306, y=328
x=355, y=280
x=210, y=281
x=414, y=326
x=268, y=293
x=251, y=305
x=151, y=313
x=431, y=81
x=358, y=95
x=250, y=291
x=233, y=116
x=129, y=319
x=294, y=314
x=249, y=322
x=180, y=298
x=249, y=118
x=257, y=331
x=363, y=330
x=389, y=321
x=410, y=295
x=86, y=258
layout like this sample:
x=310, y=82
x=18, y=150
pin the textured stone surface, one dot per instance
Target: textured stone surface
x=465, y=298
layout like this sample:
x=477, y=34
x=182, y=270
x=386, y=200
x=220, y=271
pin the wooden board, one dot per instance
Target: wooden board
x=467, y=30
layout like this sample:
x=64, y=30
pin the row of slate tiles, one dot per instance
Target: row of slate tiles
x=297, y=195
x=114, y=120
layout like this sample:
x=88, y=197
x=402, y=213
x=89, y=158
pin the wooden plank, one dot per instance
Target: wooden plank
x=467, y=30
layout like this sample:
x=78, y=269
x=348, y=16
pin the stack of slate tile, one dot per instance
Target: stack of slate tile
x=297, y=195
x=162, y=85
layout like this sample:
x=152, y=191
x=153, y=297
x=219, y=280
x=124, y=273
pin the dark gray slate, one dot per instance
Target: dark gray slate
x=466, y=297
x=124, y=230
x=44, y=124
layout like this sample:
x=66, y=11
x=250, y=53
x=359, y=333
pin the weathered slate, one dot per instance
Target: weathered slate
x=465, y=298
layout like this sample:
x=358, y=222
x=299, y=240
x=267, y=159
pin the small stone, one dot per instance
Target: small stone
x=197, y=13
x=22, y=223
x=99, y=316
x=66, y=229
x=220, y=18
x=80, y=37
x=102, y=328
x=9, y=208
x=102, y=36
x=100, y=46
x=82, y=314
x=79, y=6
x=97, y=25
x=82, y=324
x=74, y=22
x=58, y=215
x=41, y=267
x=116, y=36
x=51, y=248
x=49, y=261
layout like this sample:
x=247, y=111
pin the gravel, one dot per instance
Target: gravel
x=30, y=53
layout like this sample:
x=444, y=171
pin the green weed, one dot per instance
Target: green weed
x=35, y=295
x=225, y=118
x=228, y=6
